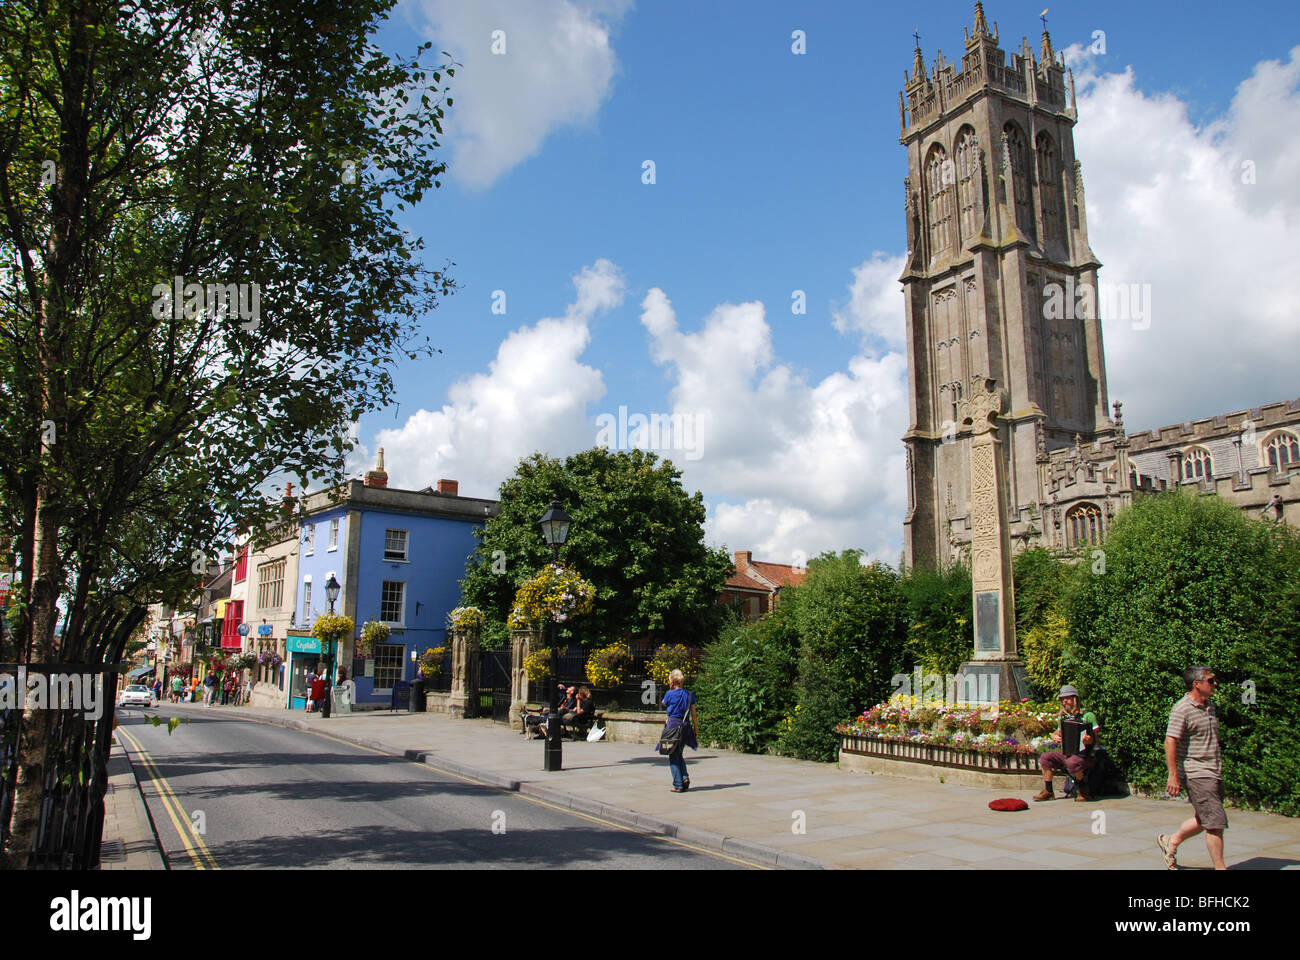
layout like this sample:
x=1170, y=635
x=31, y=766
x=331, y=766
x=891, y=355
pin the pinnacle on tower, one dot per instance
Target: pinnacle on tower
x=918, y=63
x=981, y=24
x=1049, y=56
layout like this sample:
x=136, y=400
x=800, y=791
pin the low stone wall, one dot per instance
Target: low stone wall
x=435, y=702
x=949, y=764
x=628, y=726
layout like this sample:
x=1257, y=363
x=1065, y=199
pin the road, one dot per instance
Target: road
x=226, y=793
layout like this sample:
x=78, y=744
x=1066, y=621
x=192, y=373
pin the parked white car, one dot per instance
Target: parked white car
x=135, y=695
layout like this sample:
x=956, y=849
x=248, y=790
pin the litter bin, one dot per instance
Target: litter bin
x=417, y=704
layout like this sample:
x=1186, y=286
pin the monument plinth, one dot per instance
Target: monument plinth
x=995, y=669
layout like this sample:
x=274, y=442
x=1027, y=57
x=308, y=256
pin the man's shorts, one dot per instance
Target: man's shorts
x=1206, y=796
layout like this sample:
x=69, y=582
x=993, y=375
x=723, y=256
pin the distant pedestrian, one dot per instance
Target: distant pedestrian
x=1194, y=757
x=157, y=689
x=318, y=693
x=177, y=683
x=680, y=704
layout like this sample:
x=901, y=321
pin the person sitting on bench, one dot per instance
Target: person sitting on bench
x=535, y=723
x=583, y=713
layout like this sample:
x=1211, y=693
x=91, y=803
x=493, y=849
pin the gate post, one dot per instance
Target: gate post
x=463, y=700
x=520, y=643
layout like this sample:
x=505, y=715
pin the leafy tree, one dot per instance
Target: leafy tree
x=1041, y=581
x=746, y=682
x=852, y=623
x=258, y=151
x=1192, y=580
x=941, y=632
x=637, y=536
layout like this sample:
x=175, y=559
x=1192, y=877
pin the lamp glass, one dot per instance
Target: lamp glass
x=555, y=525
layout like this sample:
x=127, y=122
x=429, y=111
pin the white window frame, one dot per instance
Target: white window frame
x=401, y=660
x=400, y=623
x=270, y=584
x=406, y=546
x=306, y=600
x=309, y=539
x=334, y=534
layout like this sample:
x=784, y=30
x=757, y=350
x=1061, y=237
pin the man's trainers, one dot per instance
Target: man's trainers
x=1045, y=794
x=1171, y=860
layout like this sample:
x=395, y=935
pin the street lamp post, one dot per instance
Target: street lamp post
x=555, y=525
x=331, y=594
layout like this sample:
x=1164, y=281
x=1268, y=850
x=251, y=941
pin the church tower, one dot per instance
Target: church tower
x=1000, y=282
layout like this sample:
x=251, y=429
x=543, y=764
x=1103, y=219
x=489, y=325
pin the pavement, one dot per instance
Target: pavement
x=786, y=813
x=128, y=841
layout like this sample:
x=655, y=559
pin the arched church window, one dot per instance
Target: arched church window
x=1083, y=525
x=1050, y=189
x=1019, y=157
x=1282, y=449
x=938, y=190
x=1197, y=463
x=968, y=204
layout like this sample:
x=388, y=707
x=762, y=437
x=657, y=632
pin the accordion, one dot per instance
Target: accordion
x=1072, y=731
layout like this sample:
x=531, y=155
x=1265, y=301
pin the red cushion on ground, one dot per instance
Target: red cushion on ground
x=1008, y=803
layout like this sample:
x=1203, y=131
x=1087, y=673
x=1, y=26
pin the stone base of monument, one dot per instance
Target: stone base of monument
x=994, y=680
x=919, y=761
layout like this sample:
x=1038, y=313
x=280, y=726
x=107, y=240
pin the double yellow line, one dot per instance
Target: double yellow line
x=190, y=840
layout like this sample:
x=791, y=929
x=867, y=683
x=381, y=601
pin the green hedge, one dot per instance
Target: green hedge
x=1190, y=580
x=746, y=682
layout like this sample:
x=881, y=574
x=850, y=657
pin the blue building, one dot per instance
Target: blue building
x=399, y=556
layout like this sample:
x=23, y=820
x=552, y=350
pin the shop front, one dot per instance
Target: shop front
x=305, y=657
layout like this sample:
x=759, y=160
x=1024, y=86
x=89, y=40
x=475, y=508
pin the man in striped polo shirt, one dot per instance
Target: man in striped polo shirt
x=1194, y=758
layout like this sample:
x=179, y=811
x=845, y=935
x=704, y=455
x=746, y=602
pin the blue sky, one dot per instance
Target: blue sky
x=778, y=172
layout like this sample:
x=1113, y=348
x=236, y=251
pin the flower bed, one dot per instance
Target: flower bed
x=1006, y=737
x=989, y=757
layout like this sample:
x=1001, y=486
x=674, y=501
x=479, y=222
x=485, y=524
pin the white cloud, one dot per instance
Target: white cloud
x=1168, y=208
x=875, y=306
x=557, y=68
x=534, y=397
x=813, y=467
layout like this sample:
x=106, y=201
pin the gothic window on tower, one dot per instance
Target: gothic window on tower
x=1197, y=463
x=968, y=162
x=1282, y=450
x=1020, y=160
x=1083, y=525
x=1050, y=189
x=938, y=191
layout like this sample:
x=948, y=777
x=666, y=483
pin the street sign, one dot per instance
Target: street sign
x=243, y=630
x=265, y=629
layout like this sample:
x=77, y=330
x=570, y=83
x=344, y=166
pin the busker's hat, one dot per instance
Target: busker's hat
x=1067, y=691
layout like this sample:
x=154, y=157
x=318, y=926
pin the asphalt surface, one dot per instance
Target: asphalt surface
x=226, y=793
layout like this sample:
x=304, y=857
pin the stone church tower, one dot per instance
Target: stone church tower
x=1000, y=281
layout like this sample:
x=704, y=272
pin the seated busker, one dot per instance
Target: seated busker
x=1077, y=735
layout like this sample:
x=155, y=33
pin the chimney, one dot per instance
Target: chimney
x=288, y=498
x=450, y=487
x=743, y=559
x=377, y=477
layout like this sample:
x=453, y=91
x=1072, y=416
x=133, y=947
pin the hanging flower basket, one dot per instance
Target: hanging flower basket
x=332, y=628
x=466, y=619
x=372, y=632
x=554, y=593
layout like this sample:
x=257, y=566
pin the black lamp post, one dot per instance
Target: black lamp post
x=331, y=594
x=555, y=525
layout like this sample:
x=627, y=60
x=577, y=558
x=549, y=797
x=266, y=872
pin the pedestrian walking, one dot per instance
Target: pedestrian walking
x=1195, y=759
x=679, y=730
x=177, y=683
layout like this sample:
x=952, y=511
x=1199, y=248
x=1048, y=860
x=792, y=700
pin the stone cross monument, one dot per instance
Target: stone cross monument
x=996, y=671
